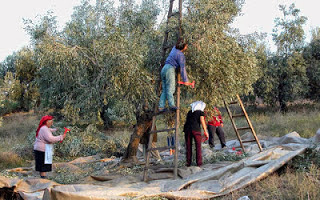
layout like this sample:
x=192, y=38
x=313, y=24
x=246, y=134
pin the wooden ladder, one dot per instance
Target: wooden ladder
x=237, y=129
x=165, y=46
x=176, y=134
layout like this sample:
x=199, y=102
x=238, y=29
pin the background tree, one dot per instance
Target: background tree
x=27, y=91
x=19, y=71
x=8, y=65
x=312, y=56
x=288, y=36
x=264, y=87
x=8, y=89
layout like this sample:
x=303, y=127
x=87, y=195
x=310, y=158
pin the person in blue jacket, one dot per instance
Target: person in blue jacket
x=175, y=60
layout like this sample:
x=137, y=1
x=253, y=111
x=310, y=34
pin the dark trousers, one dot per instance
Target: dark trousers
x=197, y=137
x=219, y=131
x=39, y=157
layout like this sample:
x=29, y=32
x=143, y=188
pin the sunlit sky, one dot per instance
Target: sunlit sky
x=257, y=15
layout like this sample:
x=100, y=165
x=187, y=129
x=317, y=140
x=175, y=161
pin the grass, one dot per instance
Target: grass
x=266, y=121
x=10, y=160
x=14, y=131
x=289, y=185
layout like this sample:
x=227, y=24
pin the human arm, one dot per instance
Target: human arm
x=204, y=126
x=220, y=118
x=49, y=138
x=182, y=65
x=53, y=129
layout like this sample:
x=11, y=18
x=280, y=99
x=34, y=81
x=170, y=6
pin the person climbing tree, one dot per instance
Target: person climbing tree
x=175, y=60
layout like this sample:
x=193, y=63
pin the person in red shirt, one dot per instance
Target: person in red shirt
x=215, y=125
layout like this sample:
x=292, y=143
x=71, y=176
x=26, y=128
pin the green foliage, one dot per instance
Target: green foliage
x=18, y=89
x=306, y=161
x=85, y=142
x=284, y=74
x=89, y=142
x=129, y=171
x=27, y=92
x=98, y=59
x=217, y=61
x=106, y=59
x=64, y=176
x=8, y=106
x=222, y=156
x=9, y=88
x=8, y=65
x=288, y=33
x=312, y=56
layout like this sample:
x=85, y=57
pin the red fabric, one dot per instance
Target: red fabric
x=215, y=120
x=43, y=121
x=189, y=135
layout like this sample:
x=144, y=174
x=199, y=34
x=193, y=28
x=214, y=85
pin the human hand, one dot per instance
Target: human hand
x=65, y=131
x=204, y=138
x=187, y=83
x=221, y=125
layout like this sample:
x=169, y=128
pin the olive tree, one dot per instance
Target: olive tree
x=97, y=62
x=106, y=60
x=220, y=64
x=289, y=38
x=311, y=55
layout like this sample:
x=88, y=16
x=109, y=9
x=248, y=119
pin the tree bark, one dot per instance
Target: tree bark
x=141, y=130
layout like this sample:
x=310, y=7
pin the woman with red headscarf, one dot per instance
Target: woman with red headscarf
x=44, y=137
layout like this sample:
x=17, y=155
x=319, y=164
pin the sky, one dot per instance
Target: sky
x=257, y=15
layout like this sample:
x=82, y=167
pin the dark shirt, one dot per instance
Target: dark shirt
x=176, y=58
x=193, y=121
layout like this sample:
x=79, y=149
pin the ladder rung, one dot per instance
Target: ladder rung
x=238, y=115
x=248, y=141
x=243, y=128
x=164, y=112
x=175, y=13
x=233, y=102
x=162, y=130
x=161, y=148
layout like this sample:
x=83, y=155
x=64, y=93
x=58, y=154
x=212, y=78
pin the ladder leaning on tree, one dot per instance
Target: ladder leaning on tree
x=238, y=129
x=154, y=131
x=177, y=112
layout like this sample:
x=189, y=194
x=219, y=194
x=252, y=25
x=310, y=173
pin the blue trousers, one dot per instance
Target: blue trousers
x=168, y=76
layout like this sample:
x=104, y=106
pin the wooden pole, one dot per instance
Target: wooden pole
x=177, y=129
x=165, y=39
x=180, y=18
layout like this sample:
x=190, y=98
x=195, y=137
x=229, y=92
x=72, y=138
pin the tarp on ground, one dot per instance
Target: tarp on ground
x=204, y=184
x=29, y=189
x=211, y=180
